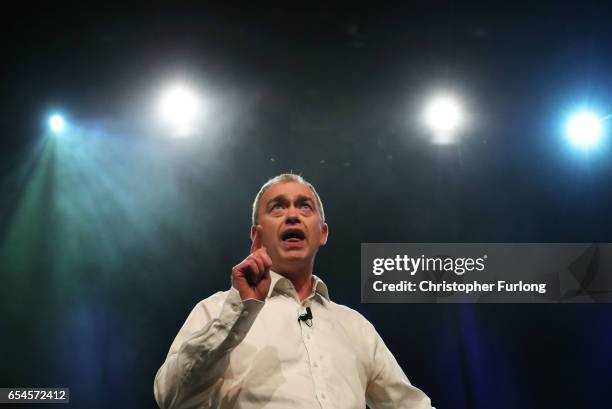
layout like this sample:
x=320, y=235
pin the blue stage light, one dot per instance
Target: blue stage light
x=585, y=129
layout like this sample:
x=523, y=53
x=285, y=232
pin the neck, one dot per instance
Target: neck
x=301, y=278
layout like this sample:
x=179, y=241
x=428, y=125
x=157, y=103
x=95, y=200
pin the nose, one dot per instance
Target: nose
x=292, y=216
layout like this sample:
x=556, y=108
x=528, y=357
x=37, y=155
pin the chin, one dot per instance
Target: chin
x=295, y=256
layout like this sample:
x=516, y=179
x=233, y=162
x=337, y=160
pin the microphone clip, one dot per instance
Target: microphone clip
x=306, y=317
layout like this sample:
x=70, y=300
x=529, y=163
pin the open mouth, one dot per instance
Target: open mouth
x=293, y=236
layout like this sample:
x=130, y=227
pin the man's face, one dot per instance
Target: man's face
x=291, y=226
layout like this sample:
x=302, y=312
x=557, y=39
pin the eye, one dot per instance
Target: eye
x=306, y=205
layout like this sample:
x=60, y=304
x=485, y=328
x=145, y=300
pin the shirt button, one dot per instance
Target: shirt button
x=308, y=336
x=245, y=313
x=323, y=396
x=316, y=365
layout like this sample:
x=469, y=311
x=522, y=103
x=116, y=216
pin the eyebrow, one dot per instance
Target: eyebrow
x=283, y=199
x=302, y=198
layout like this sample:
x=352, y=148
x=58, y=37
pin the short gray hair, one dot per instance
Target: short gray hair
x=285, y=178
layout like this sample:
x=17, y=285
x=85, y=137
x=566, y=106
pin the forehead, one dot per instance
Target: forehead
x=291, y=190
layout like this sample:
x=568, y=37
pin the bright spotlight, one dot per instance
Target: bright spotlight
x=584, y=129
x=444, y=116
x=181, y=108
x=56, y=123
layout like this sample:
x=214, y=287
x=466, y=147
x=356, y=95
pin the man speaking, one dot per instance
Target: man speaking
x=275, y=339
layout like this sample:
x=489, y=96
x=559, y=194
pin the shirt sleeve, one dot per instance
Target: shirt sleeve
x=199, y=355
x=388, y=387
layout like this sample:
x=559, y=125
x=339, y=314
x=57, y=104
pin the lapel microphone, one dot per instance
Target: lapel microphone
x=306, y=317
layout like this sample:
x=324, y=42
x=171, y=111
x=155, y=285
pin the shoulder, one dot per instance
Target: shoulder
x=351, y=317
x=216, y=298
x=345, y=311
x=211, y=306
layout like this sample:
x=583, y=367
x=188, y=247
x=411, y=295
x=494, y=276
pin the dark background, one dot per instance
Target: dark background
x=111, y=233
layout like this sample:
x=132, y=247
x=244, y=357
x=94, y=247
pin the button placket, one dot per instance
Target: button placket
x=315, y=362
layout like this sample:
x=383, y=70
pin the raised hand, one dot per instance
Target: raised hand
x=251, y=277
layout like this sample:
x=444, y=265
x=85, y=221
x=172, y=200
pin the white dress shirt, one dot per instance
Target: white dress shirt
x=252, y=354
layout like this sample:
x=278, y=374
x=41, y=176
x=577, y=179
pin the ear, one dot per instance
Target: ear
x=255, y=237
x=324, y=234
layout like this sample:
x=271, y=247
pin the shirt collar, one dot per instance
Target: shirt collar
x=280, y=283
